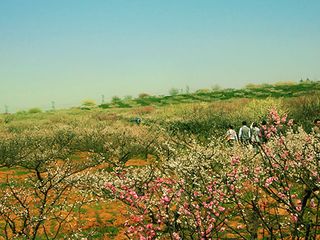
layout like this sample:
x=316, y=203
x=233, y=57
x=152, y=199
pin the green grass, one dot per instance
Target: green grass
x=110, y=231
x=21, y=172
x=80, y=210
x=97, y=206
x=75, y=157
x=53, y=224
x=5, y=169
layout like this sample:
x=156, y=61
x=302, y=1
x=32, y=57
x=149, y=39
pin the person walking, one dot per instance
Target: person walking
x=231, y=136
x=244, y=133
x=316, y=128
x=255, y=139
x=263, y=132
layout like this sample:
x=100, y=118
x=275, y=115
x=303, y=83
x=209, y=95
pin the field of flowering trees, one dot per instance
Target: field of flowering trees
x=96, y=175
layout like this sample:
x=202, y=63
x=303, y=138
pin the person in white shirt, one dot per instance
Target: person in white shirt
x=231, y=135
x=244, y=133
x=255, y=136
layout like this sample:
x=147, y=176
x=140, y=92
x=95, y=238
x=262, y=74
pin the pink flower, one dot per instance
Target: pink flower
x=129, y=200
x=131, y=229
x=298, y=156
x=308, y=139
x=133, y=194
x=269, y=181
x=312, y=203
x=136, y=218
x=294, y=195
x=221, y=209
x=176, y=236
x=284, y=118
x=281, y=195
x=239, y=226
x=257, y=170
x=196, y=194
x=275, y=116
x=294, y=218
x=235, y=160
x=111, y=187
x=209, y=229
x=165, y=199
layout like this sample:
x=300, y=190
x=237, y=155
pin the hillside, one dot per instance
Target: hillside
x=206, y=95
x=85, y=168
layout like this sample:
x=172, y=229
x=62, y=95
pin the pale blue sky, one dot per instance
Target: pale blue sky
x=70, y=50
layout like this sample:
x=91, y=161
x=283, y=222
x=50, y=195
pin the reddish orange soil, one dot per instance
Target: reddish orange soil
x=95, y=215
x=112, y=213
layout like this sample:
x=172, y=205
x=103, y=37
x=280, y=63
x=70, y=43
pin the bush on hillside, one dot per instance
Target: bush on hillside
x=173, y=91
x=34, y=110
x=88, y=104
x=304, y=110
x=104, y=105
x=143, y=110
x=143, y=95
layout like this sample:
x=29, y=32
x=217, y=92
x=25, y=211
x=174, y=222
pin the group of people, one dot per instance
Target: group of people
x=256, y=134
x=247, y=135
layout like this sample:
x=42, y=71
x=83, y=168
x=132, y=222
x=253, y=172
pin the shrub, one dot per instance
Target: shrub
x=88, y=104
x=27, y=207
x=117, y=102
x=285, y=83
x=143, y=110
x=115, y=99
x=203, y=90
x=21, y=112
x=104, y=105
x=216, y=87
x=173, y=91
x=102, y=116
x=143, y=101
x=121, y=104
x=8, y=118
x=304, y=110
x=34, y=110
x=206, y=191
x=143, y=95
x=128, y=98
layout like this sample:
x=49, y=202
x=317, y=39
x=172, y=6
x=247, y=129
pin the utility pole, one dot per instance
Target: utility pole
x=6, y=111
x=102, y=99
x=53, y=105
x=187, y=89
